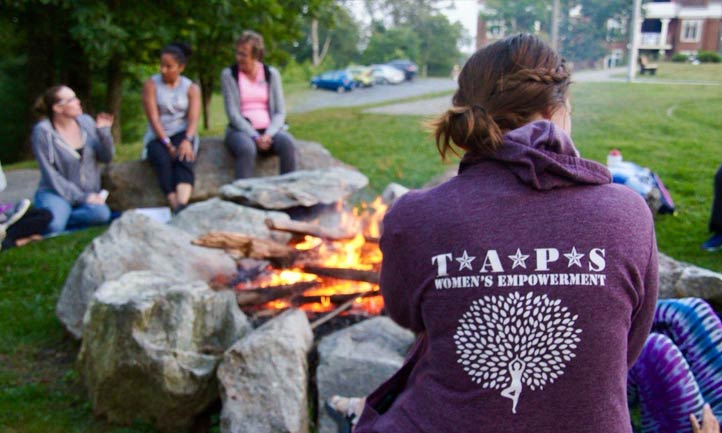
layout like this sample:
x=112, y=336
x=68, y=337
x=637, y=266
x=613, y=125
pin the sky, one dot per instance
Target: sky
x=463, y=11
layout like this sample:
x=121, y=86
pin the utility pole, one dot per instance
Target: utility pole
x=555, y=25
x=635, y=29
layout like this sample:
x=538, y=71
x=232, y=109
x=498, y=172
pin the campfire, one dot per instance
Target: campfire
x=321, y=270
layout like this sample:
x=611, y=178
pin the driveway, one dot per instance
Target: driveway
x=316, y=99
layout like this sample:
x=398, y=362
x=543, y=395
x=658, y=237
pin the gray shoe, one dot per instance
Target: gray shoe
x=13, y=216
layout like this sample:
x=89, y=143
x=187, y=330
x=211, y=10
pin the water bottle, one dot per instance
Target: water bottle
x=614, y=157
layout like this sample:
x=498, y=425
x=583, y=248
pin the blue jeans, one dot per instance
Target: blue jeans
x=69, y=217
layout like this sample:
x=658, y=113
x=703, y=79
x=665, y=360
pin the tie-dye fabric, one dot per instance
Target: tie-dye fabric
x=680, y=367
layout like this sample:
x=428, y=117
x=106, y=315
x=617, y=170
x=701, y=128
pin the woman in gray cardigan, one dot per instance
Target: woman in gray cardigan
x=69, y=146
x=253, y=100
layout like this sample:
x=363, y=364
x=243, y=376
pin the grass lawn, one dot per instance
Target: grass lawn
x=674, y=129
x=670, y=71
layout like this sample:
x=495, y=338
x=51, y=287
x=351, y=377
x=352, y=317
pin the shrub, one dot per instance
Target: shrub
x=709, y=57
x=680, y=58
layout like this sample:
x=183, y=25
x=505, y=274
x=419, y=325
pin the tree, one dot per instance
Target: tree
x=393, y=43
x=522, y=15
x=508, y=342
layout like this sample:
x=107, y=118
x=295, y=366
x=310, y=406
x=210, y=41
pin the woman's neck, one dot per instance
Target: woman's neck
x=251, y=70
x=64, y=122
x=174, y=83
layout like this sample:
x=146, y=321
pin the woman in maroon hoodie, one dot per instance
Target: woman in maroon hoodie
x=530, y=277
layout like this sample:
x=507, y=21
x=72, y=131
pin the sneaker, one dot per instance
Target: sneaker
x=714, y=243
x=11, y=217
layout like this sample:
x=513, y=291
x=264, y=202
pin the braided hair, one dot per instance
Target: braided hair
x=501, y=87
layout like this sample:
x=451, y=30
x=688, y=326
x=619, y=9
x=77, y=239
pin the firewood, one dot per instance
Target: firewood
x=343, y=307
x=333, y=299
x=304, y=228
x=262, y=295
x=344, y=273
x=247, y=246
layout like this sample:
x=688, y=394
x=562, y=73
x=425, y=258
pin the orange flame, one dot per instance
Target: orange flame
x=357, y=253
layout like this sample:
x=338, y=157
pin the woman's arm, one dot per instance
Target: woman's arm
x=278, y=117
x=62, y=186
x=194, y=110
x=105, y=150
x=643, y=315
x=150, y=106
x=185, y=150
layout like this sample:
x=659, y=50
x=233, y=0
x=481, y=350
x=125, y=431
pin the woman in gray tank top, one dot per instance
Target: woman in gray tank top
x=172, y=104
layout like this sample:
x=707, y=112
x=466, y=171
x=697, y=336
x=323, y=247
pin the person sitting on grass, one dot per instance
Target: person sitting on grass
x=172, y=104
x=714, y=243
x=69, y=147
x=19, y=224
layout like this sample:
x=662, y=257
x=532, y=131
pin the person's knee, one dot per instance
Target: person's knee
x=99, y=214
x=284, y=143
x=57, y=224
x=240, y=144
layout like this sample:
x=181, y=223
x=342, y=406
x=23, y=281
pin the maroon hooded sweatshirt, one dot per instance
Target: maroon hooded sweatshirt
x=532, y=281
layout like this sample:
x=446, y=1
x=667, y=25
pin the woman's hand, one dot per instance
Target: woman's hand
x=103, y=120
x=95, y=198
x=709, y=421
x=185, y=151
x=264, y=141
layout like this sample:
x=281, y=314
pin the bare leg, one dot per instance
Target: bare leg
x=172, y=200
x=183, y=193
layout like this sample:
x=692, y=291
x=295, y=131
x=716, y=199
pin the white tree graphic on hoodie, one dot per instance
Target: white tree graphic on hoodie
x=504, y=342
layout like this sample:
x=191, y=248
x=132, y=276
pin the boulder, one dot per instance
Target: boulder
x=135, y=243
x=264, y=378
x=679, y=279
x=151, y=345
x=133, y=184
x=392, y=192
x=219, y=215
x=300, y=188
x=354, y=361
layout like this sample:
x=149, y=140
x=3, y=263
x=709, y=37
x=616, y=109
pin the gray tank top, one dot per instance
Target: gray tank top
x=172, y=107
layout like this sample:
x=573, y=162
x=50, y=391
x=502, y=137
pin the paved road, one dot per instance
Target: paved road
x=325, y=98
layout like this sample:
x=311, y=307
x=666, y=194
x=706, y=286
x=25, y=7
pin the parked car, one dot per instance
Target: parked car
x=385, y=74
x=362, y=75
x=340, y=81
x=408, y=67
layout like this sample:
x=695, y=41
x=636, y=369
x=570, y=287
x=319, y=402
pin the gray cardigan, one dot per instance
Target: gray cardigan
x=232, y=103
x=63, y=169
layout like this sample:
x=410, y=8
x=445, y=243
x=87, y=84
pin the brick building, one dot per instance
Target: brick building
x=681, y=26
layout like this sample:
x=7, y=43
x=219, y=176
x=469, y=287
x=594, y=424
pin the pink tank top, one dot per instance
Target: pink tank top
x=254, y=98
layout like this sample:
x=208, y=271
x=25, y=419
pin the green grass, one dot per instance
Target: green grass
x=669, y=71
x=675, y=130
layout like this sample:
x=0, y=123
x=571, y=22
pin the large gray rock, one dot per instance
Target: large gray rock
x=220, y=215
x=356, y=360
x=300, y=188
x=264, y=378
x=135, y=243
x=151, y=347
x=133, y=184
x=679, y=279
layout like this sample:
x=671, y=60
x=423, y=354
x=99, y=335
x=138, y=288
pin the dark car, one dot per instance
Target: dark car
x=339, y=81
x=407, y=66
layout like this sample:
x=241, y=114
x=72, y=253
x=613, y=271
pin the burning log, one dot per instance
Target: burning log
x=344, y=273
x=343, y=307
x=262, y=295
x=247, y=246
x=304, y=228
x=333, y=299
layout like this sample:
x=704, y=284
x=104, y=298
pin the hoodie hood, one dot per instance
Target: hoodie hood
x=543, y=157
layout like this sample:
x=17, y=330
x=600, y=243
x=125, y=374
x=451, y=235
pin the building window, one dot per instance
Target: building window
x=495, y=29
x=691, y=31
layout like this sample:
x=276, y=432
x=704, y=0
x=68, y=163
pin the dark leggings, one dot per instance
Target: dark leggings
x=715, y=222
x=244, y=150
x=170, y=171
x=33, y=222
